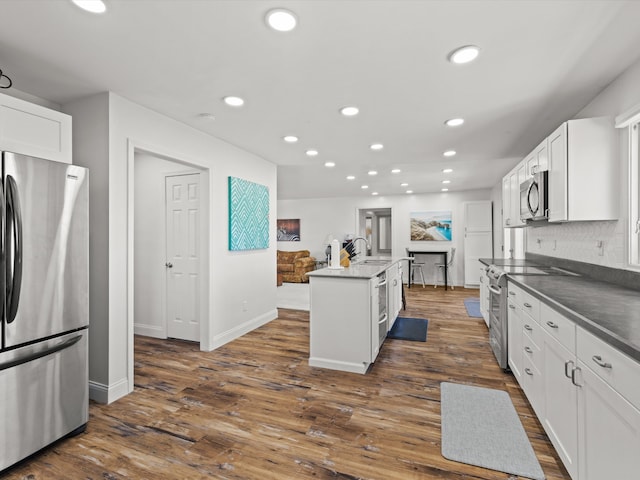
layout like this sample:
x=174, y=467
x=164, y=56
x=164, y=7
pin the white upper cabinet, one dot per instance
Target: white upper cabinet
x=34, y=130
x=538, y=161
x=583, y=173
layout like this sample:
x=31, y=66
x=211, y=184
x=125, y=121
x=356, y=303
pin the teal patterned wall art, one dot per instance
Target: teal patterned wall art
x=248, y=215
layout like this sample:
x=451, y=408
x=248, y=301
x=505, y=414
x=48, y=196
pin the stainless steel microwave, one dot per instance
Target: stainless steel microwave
x=534, y=195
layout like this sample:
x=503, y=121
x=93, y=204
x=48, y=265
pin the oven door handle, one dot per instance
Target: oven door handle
x=496, y=290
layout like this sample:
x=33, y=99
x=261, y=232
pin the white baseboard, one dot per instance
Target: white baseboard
x=338, y=365
x=154, y=331
x=246, y=327
x=106, y=394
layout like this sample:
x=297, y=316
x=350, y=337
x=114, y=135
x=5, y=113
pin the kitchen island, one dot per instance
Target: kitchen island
x=352, y=309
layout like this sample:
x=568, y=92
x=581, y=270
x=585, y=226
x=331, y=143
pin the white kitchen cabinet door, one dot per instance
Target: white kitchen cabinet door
x=484, y=293
x=557, y=191
x=583, y=171
x=478, y=238
x=609, y=430
x=515, y=196
x=560, y=418
x=514, y=340
x=506, y=201
x=34, y=130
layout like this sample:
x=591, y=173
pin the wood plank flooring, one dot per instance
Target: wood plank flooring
x=254, y=409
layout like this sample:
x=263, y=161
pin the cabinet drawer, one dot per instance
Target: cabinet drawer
x=524, y=300
x=621, y=372
x=559, y=327
x=532, y=352
x=532, y=329
x=533, y=385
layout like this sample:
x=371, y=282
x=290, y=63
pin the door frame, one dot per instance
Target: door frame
x=136, y=146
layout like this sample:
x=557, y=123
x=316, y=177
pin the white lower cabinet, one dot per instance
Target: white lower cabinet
x=484, y=293
x=560, y=419
x=394, y=289
x=585, y=393
x=514, y=340
x=608, y=411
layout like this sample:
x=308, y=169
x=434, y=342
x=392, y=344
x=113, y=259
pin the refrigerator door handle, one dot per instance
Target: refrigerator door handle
x=35, y=355
x=3, y=253
x=13, y=236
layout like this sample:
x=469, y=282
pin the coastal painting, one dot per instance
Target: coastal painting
x=431, y=226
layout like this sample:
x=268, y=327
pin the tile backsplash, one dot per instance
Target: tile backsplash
x=600, y=243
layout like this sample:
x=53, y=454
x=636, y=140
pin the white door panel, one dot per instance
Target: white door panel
x=183, y=256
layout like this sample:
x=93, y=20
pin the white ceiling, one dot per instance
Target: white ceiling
x=541, y=62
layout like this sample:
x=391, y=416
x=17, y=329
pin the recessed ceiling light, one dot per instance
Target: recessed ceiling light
x=444, y=189
x=447, y=170
x=374, y=193
x=454, y=122
x=449, y=153
x=349, y=111
x=364, y=187
x=409, y=191
x=404, y=184
x=396, y=170
x=290, y=138
x=446, y=181
x=207, y=116
x=465, y=54
x=233, y=101
x=329, y=164
x=376, y=146
x=93, y=6
x=281, y=20
x=372, y=172
x=312, y=153
x=351, y=177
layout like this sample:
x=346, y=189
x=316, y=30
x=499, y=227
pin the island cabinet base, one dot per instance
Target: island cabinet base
x=338, y=365
x=342, y=315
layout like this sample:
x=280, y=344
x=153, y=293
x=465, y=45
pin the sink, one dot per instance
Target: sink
x=372, y=262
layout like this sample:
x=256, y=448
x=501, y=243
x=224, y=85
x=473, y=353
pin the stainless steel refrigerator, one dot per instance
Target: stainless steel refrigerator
x=44, y=304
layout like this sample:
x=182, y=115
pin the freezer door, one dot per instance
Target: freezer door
x=47, y=248
x=44, y=394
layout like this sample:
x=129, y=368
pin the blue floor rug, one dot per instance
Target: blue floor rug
x=473, y=307
x=405, y=328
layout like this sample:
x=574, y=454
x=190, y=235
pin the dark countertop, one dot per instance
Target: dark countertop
x=608, y=309
x=610, y=312
x=509, y=262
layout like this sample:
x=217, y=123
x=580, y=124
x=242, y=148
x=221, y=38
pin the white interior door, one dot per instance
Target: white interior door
x=478, y=238
x=183, y=256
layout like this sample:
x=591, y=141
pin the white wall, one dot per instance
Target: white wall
x=91, y=150
x=242, y=291
x=577, y=241
x=338, y=216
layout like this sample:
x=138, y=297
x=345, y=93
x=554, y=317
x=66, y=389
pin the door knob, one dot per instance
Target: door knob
x=168, y=265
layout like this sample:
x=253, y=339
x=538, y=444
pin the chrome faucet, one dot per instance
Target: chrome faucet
x=366, y=244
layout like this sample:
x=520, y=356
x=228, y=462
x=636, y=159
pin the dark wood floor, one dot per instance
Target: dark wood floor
x=254, y=409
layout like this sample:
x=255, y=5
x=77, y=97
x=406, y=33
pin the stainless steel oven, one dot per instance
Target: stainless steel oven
x=382, y=308
x=498, y=315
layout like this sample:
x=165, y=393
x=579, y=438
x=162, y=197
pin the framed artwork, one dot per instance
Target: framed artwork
x=288, y=230
x=248, y=215
x=431, y=226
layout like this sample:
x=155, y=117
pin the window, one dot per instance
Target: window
x=634, y=196
x=630, y=120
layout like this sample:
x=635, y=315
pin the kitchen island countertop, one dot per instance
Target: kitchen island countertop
x=359, y=269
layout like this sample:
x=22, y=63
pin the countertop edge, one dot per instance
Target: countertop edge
x=600, y=332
